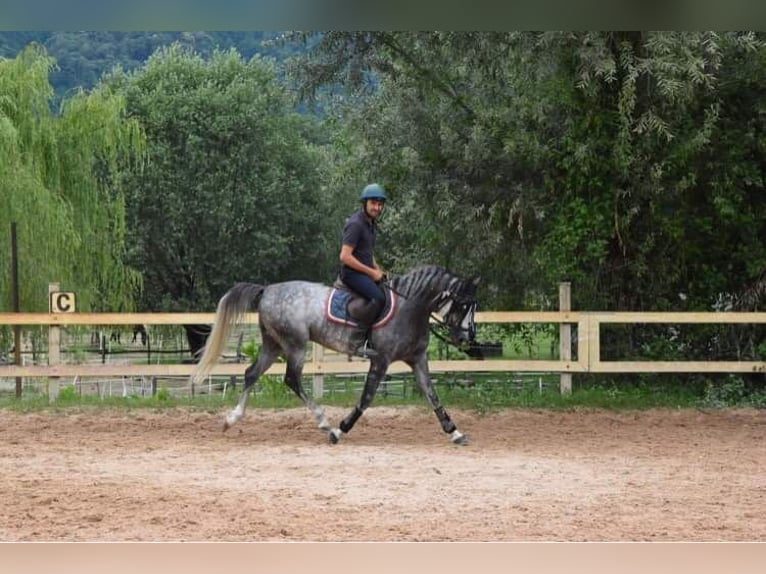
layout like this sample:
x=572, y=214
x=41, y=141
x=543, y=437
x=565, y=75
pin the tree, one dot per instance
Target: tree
x=231, y=190
x=83, y=57
x=58, y=182
x=629, y=163
x=565, y=155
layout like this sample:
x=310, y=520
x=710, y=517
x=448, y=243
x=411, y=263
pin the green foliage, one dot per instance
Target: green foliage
x=67, y=394
x=483, y=397
x=733, y=390
x=163, y=394
x=628, y=163
x=251, y=350
x=483, y=393
x=57, y=182
x=275, y=393
x=83, y=57
x=230, y=191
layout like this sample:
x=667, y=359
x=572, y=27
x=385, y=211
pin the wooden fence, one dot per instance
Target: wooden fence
x=588, y=355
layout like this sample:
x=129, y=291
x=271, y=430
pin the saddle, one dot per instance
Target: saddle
x=344, y=307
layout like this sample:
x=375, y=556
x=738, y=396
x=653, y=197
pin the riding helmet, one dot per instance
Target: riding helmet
x=373, y=191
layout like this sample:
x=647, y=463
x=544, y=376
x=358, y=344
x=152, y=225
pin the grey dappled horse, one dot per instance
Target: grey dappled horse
x=292, y=313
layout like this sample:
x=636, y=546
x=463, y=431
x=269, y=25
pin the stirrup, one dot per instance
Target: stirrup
x=365, y=351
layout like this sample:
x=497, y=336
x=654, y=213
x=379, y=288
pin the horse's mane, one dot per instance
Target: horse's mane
x=425, y=269
x=416, y=278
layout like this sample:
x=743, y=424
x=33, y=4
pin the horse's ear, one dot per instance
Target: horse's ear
x=476, y=280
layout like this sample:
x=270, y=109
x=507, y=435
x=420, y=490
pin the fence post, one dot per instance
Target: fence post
x=54, y=349
x=565, y=336
x=16, y=305
x=594, y=343
x=318, y=378
x=583, y=343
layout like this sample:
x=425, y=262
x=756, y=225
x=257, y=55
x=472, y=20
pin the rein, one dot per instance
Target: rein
x=387, y=284
x=438, y=328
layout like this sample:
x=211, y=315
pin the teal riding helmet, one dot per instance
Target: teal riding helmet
x=373, y=191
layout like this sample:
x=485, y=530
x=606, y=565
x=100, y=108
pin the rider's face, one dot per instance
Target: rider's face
x=374, y=207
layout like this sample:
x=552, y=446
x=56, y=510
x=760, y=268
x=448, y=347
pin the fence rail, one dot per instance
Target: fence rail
x=587, y=344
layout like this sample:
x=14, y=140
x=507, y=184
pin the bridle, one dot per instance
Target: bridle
x=445, y=329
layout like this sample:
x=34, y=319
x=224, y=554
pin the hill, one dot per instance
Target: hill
x=83, y=57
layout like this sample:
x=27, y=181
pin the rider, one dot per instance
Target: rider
x=359, y=270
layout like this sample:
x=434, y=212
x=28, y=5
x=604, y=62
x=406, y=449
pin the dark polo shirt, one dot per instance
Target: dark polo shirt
x=360, y=233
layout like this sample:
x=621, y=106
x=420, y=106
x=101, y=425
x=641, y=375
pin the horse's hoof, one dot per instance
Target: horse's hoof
x=226, y=426
x=459, y=438
x=324, y=426
x=334, y=436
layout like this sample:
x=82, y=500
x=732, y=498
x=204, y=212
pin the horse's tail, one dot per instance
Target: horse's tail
x=232, y=307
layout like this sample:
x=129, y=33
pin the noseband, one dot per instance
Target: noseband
x=462, y=307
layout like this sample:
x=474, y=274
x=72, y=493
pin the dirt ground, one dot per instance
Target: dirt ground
x=109, y=475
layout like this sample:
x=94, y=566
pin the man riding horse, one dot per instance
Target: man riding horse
x=359, y=270
x=293, y=313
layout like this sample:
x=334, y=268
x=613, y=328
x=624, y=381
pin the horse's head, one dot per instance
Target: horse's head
x=449, y=298
x=456, y=307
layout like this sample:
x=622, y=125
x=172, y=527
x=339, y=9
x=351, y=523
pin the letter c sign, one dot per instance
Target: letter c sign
x=62, y=302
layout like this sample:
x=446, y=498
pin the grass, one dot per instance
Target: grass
x=478, y=393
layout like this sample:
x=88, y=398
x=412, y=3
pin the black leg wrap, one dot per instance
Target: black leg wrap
x=348, y=423
x=447, y=425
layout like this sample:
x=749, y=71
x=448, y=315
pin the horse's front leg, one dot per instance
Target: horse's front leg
x=423, y=377
x=378, y=368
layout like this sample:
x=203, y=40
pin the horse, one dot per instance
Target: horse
x=291, y=313
x=139, y=330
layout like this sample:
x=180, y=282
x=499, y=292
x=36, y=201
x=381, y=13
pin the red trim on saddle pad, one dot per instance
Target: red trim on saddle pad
x=333, y=316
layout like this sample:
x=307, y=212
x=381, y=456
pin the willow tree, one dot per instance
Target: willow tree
x=59, y=182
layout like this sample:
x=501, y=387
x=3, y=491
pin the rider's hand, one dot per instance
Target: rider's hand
x=378, y=276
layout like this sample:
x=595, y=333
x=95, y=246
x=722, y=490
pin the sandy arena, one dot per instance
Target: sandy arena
x=144, y=475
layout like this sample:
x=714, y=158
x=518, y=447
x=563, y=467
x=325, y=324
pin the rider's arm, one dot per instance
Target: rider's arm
x=348, y=259
x=383, y=275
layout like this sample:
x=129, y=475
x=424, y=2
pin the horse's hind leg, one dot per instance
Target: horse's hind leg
x=423, y=377
x=293, y=376
x=266, y=357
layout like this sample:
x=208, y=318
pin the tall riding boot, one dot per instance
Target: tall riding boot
x=360, y=341
x=364, y=312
